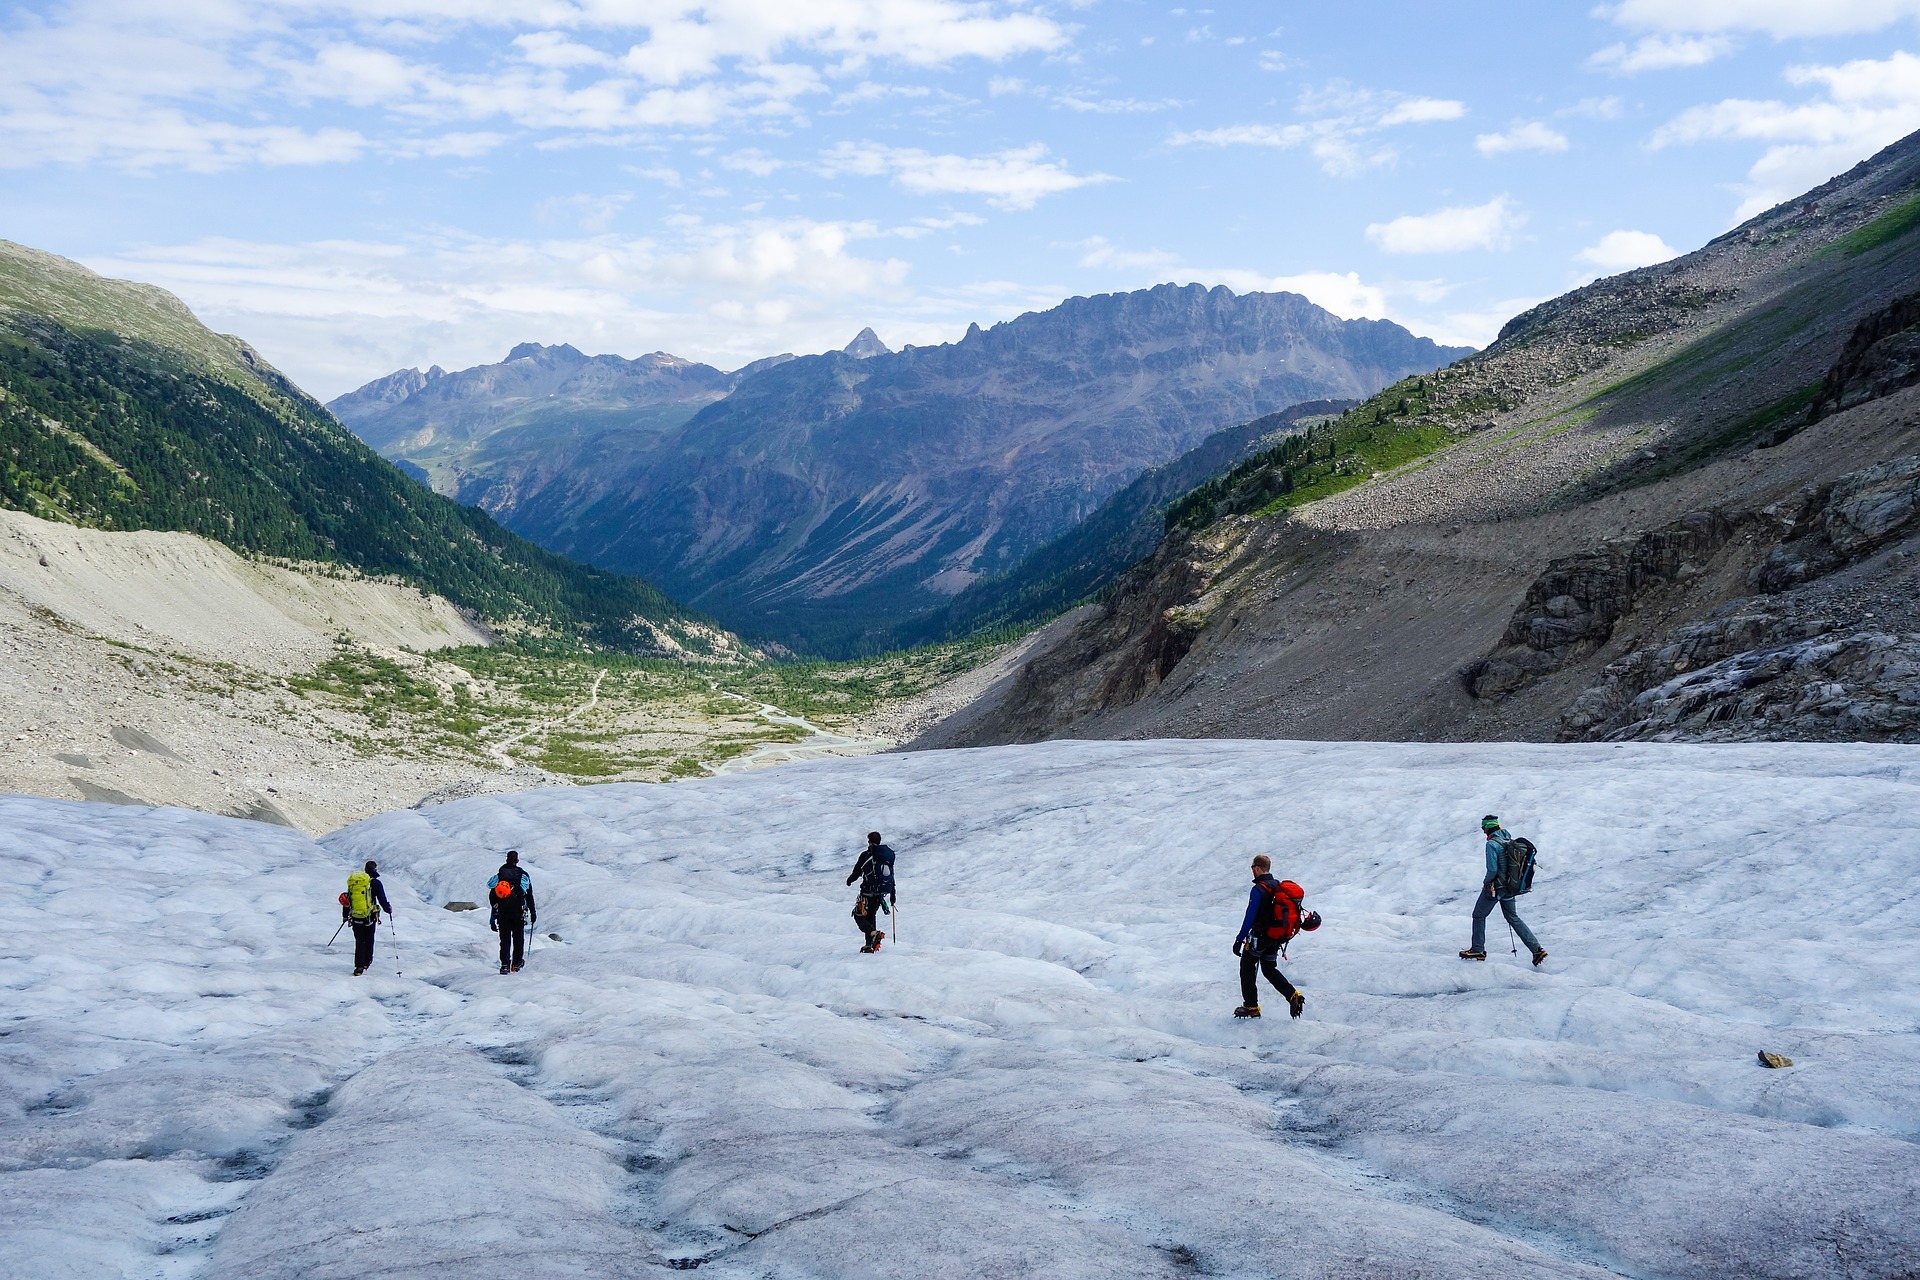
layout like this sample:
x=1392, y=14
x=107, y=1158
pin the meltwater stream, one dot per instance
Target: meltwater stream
x=818, y=743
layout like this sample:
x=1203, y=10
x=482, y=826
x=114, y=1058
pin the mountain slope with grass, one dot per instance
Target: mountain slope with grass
x=1674, y=502
x=120, y=411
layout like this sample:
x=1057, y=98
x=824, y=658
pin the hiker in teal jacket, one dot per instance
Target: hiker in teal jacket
x=1497, y=837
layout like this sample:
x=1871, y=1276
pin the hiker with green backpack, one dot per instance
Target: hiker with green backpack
x=360, y=906
x=1510, y=866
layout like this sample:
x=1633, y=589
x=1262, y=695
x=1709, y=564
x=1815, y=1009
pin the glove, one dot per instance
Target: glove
x=493, y=922
x=1238, y=945
x=532, y=921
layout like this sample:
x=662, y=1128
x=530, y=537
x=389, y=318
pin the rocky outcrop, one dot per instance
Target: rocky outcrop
x=1828, y=526
x=1570, y=610
x=1757, y=670
x=1881, y=356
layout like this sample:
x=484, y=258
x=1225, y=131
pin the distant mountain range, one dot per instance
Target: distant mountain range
x=119, y=410
x=835, y=502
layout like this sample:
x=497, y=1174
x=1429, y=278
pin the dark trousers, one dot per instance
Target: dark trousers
x=1483, y=907
x=362, y=944
x=513, y=940
x=1261, y=956
x=863, y=913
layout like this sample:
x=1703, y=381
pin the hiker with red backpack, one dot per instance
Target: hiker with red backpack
x=1273, y=919
x=360, y=906
x=510, y=897
x=1510, y=867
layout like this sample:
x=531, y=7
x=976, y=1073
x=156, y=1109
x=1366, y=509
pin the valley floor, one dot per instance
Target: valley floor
x=698, y=1069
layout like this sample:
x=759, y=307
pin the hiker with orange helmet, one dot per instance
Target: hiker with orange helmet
x=510, y=897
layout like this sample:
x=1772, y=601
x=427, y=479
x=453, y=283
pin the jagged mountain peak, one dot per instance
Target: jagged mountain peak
x=867, y=343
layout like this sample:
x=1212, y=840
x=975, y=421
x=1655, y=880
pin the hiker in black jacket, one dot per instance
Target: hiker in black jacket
x=510, y=894
x=874, y=871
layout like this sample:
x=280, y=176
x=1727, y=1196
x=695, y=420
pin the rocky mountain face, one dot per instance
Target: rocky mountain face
x=1682, y=502
x=484, y=428
x=826, y=500
x=120, y=411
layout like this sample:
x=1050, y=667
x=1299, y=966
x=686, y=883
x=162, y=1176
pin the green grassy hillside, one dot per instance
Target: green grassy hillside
x=118, y=410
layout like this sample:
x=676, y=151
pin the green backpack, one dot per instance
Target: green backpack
x=360, y=903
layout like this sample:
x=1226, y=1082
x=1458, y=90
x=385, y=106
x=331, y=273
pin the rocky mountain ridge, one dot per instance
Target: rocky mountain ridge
x=828, y=499
x=1675, y=502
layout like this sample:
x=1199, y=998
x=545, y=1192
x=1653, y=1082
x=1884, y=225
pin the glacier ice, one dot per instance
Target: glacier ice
x=1041, y=1079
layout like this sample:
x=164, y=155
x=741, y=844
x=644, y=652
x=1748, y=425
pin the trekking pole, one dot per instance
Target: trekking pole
x=336, y=933
x=396, y=944
x=1511, y=940
x=896, y=922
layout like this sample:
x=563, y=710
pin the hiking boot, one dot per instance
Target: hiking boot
x=517, y=968
x=1247, y=1011
x=358, y=972
x=1538, y=956
x=1295, y=1003
x=506, y=969
x=878, y=937
x=1471, y=954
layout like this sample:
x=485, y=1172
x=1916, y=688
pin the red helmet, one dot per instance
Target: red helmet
x=1310, y=921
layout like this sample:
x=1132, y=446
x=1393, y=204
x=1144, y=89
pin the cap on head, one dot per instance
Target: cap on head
x=372, y=866
x=513, y=857
x=1490, y=823
x=873, y=837
x=1261, y=862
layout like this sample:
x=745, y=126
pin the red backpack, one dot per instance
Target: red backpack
x=1281, y=910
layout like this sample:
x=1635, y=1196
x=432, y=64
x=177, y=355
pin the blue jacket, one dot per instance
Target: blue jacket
x=526, y=894
x=380, y=896
x=1495, y=843
x=1253, y=905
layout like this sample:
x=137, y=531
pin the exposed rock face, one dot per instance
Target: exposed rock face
x=1882, y=356
x=1570, y=610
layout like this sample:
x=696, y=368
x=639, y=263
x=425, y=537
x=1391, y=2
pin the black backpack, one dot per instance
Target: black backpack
x=1518, y=859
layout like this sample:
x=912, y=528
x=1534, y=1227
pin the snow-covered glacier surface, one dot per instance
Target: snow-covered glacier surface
x=1042, y=1079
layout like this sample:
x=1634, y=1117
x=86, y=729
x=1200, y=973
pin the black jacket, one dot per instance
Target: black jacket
x=874, y=871
x=518, y=901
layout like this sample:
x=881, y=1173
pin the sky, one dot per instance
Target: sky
x=356, y=186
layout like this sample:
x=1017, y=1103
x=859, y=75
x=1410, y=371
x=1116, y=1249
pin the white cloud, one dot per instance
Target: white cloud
x=1274, y=60
x=1101, y=252
x=1661, y=53
x=1528, y=136
x=751, y=160
x=1113, y=106
x=1342, y=129
x=334, y=313
x=1012, y=179
x=1342, y=293
x=1625, y=250
x=1867, y=104
x=1781, y=19
x=212, y=85
x=1454, y=230
x=1423, y=111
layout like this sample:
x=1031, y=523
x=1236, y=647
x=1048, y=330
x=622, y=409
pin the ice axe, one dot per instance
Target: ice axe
x=336, y=933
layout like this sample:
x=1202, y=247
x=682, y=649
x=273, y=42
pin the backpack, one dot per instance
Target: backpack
x=359, y=896
x=506, y=894
x=1280, y=909
x=1516, y=867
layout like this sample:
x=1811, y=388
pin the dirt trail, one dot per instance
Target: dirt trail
x=498, y=750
